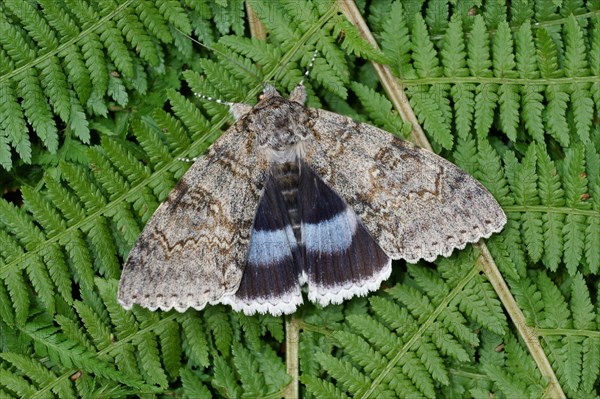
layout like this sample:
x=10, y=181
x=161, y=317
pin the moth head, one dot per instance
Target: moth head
x=279, y=124
x=297, y=95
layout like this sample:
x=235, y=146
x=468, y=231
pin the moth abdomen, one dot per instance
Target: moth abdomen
x=287, y=176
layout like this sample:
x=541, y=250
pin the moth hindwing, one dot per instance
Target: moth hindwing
x=291, y=196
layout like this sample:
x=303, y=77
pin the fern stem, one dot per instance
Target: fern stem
x=494, y=80
x=292, y=340
x=466, y=374
x=545, y=332
x=392, y=87
x=528, y=334
x=540, y=24
x=551, y=209
x=257, y=29
x=562, y=21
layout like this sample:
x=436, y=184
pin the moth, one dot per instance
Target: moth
x=291, y=197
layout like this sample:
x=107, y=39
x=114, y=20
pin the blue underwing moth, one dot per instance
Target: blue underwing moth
x=293, y=198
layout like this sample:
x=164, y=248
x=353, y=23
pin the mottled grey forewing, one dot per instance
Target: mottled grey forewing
x=415, y=204
x=192, y=251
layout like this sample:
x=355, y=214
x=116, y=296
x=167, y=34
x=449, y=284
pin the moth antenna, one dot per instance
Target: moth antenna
x=309, y=68
x=299, y=93
x=190, y=160
x=215, y=100
x=238, y=110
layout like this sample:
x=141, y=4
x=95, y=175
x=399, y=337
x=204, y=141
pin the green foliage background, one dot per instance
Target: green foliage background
x=97, y=104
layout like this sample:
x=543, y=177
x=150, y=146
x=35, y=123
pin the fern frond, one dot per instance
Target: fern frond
x=592, y=233
x=19, y=295
x=594, y=60
x=354, y=43
x=218, y=323
x=575, y=184
x=525, y=190
x=194, y=341
x=551, y=195
x=54, y=83
x=531, y=103
x=479, y=302
x=395, y=41
x=13, y=125
x=478, y=49
x=508, y=100
x=151, y=143
x=99, y=332
x=379, y=108
x=32, y=41
x=428, y=103
x=36, y=109
x=116, y=49
x=92, y=51
x=17, y=384
x=69, y=354
x=191, y=117
x=567, y=353
x=250, y=376
x=135, y=33
x=486, y=98
x=503, y=53
x=224, y=380
x=285, y=30
x=423, y=53
x=349, y=378
x=322, y=389
x=270, y=365
x=193, y=386
x=174, y=133
x=555, y=114
x=576, y=65
x=525, y=379
x=42, y=284
x=88, y=193
x=150, y=361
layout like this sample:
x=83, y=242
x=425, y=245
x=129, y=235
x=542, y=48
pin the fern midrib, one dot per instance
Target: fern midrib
x=421, y=331
x=552, y=22
x=468, y=374
x=546, y=332
x=38, y=60
x=551, y=209
x=156, y=176
x=499, y=81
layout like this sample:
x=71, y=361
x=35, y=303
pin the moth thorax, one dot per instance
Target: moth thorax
x=287, y=175
x=288, y=154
